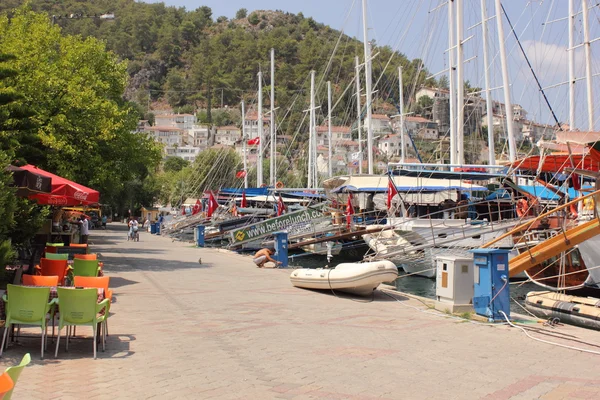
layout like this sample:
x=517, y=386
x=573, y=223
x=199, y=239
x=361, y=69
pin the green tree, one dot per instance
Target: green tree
x=175, y=164
x=241, y=13
x=254, y=19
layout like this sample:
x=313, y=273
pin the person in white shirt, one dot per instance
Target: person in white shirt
x=133, y=227
x=84, y=227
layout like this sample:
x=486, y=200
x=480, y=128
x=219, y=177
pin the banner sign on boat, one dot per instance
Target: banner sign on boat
x=284, y=222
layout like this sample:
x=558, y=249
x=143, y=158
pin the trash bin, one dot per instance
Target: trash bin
x=152, y=229
x=157, y=225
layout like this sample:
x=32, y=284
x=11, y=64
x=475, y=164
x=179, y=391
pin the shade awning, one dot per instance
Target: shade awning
x=29, y=183
x=557, y=162
x=64, y=192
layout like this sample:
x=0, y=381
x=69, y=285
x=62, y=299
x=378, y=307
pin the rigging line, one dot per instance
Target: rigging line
x=530, y=67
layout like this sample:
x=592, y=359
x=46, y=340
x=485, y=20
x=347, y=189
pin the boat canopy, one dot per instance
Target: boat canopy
x=404, y=184
x=250, y=192
x=460, y=175
x=541, y=192
x=557, y=162
x=272, y=199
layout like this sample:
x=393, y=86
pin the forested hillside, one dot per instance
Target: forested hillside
x=194, y=59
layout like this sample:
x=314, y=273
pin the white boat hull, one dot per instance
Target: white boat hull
x=361, y=279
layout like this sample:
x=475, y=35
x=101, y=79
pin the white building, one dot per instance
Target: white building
x=390, y=145
x=200, y=136
x=380, y=123
x=338, y=134
x=181, y=121
x=169, y=136
x=420, y=127
x=227, y=135
x=188, y=153
x=251, y=125
x=433, y=93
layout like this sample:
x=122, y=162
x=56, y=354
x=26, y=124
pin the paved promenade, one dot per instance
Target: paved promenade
x=225, y=329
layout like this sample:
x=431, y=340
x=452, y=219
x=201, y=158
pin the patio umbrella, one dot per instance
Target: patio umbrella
x=29, y=183
x=64, y=192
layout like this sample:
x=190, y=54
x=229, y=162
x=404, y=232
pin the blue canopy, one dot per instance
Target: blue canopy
x=541, y=192
x=249, y=192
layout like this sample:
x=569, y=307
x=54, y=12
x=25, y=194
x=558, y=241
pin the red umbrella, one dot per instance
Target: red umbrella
x=64, y=192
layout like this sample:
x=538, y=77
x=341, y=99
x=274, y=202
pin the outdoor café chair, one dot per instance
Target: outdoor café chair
x=56, y=256
x=48, y=267
x=39, y=280
x=99, y=282
x=92, y=256
x=85, y=267
x=80, y=307
x=26, y=306
x=15, y=373
x=6, y=384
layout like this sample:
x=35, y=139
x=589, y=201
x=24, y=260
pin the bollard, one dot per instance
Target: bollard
x=281, y=248
x=491, y=297
x=200, y=235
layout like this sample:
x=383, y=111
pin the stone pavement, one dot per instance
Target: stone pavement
x=225, y=329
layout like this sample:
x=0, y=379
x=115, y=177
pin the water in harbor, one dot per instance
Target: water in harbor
x=412, y=284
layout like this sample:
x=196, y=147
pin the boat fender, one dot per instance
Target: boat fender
x=522, y=207
x=573, y=209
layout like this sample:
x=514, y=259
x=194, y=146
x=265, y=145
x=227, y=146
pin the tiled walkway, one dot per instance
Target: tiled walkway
x=227, y=330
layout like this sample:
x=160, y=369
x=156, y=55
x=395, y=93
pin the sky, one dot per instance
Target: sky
x=419, y=29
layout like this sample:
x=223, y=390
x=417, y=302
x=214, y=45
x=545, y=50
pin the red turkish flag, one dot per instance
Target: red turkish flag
x=392, y=191
x=197, y=207
x=240, y=174
x=212, y=205
x=254, y=142
x=280, y=206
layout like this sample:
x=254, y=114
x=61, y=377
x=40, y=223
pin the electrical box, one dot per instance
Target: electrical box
x=199, y=235
x=455, y=276
x=281, y=248
x=491, y=294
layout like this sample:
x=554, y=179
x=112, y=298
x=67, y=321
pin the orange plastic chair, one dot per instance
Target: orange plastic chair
x=53, y=268
x=6, y=384
x=86, y=256
x=80, y=245
x=98, y=282
x=39, y=280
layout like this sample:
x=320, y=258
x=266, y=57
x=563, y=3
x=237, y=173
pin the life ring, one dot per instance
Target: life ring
x=263, y=185
x=522, y=207
x=279, y=185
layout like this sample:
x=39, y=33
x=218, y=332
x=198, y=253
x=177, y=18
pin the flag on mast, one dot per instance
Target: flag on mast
x=280, y=206
x=244, y=202
x=392, y=191
x=212, y=205
x=349, y=210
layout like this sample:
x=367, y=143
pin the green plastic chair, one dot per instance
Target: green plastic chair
x=15, y=373
x=85, y=267
x=80, y=307
x=57, y=256
x=27, y=306
x=59, y=244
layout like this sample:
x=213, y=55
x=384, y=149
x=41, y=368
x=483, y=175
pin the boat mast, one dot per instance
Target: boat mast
x=512, y=148
x=244, y=139
x=401, y=105
x=588, y=63
x=358, y=110
x=311, y=138
x=451, y=81
x=259, y=169
x=571, y=65
x=272, y=164
x=488, y=85
x=367, y=49
x=460, y=85
x=330, y=165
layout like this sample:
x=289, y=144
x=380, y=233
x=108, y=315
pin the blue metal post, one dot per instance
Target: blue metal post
x=200, y=235
x=281, y=248
x=491, y=289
